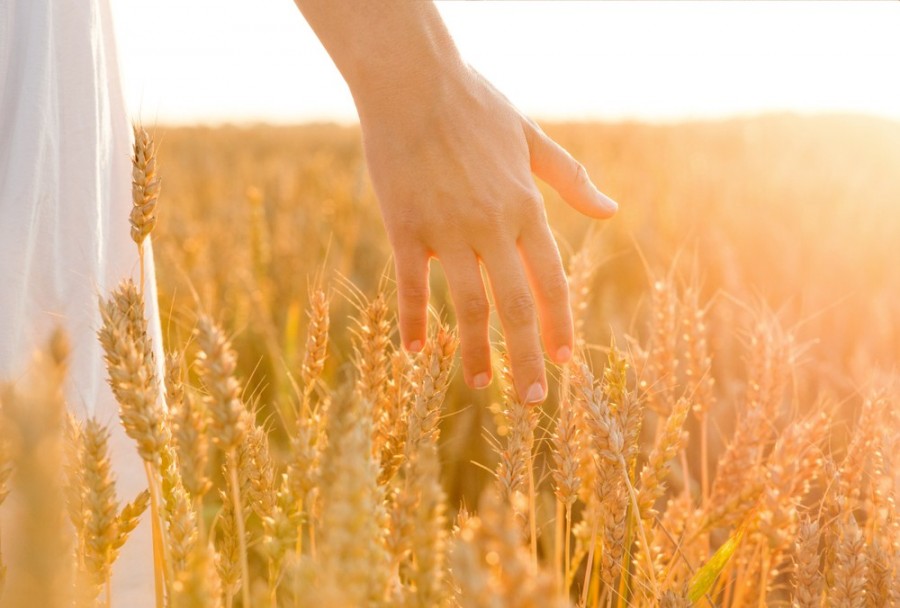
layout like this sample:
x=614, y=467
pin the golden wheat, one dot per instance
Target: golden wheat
x=335, y=488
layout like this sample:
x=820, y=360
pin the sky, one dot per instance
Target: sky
x=245, y=61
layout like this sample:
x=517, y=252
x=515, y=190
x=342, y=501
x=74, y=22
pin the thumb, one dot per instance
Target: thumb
x=553, y=164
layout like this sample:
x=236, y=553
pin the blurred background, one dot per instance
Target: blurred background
x=214, y=61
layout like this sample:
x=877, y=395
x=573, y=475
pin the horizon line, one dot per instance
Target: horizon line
x=555, y=120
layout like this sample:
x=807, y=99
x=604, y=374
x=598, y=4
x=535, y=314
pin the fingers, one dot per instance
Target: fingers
x=553, y=164
x=472, y=314
x=551, y=288
x=517, y=310
x=411, y=264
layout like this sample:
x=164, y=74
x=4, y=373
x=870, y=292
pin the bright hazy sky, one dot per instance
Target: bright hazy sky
x=211, y=61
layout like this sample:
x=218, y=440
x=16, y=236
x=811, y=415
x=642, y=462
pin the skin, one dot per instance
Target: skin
x=451, y=161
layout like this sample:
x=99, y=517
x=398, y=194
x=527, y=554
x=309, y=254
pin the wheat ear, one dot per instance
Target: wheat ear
x=352, y=552
x=101, y=508
x=422, y=470
x=850, y=568
x=566, y=440
x=131, y=368
x=145, y=187
x=217, y=363
x=189, y=429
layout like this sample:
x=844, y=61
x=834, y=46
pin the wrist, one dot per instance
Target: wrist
x=421, y=67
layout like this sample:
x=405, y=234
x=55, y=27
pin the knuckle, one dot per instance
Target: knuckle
x=531, y=197
x=556, y=288
x=532, y=205
x=530, y=360
x=412, y=326
x=403, y=226
x=411, y=323
x=475, y=353
x=519, y=309
x=473, y=309
x=580, y=178
x=414, y=295
x=491, y=218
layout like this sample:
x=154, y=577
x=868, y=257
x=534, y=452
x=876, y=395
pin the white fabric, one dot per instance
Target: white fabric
x=65, y=196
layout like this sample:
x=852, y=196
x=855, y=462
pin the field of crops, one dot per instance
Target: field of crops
x=727, y=434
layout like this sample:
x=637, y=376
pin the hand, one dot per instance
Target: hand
x=451, y=162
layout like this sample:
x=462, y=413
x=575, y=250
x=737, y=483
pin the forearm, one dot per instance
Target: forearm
x=383, y=48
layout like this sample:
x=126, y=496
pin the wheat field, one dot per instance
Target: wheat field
x=727, y=434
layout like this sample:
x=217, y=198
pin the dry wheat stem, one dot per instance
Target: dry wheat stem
x=235, y=497
x=160, y=562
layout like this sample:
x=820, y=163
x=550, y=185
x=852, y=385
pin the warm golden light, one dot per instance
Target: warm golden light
x=640, y=351
x=210, y=61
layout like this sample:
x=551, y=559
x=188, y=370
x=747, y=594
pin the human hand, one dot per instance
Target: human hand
x=451, y=161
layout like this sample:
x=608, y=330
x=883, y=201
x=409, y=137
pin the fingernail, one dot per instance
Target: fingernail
x=414, y=346
x=563, y=354
x=535, y=393
x=481, y=380
x=607, y=203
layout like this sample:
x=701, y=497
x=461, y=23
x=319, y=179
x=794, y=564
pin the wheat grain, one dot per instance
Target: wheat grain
x=99, y=502
x=662, y=361
x=807, y=573
x=198, y=584
x=849, y=587
x=316, y=339
x=352, y=553
x=613, y=535
x=216, y=364
x=566, y=440
x=492, y=543
x=228, y=562
x=428, y=533
x=132, y=371
x=514, y=467
x=189, y=429
x=393, y=428
x=182, y=527
x=878, y=575
x=668, y=444
x=371, y=352
x=145, y=185
x=128, y=519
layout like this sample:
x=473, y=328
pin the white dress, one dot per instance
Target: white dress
x=65, y=197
